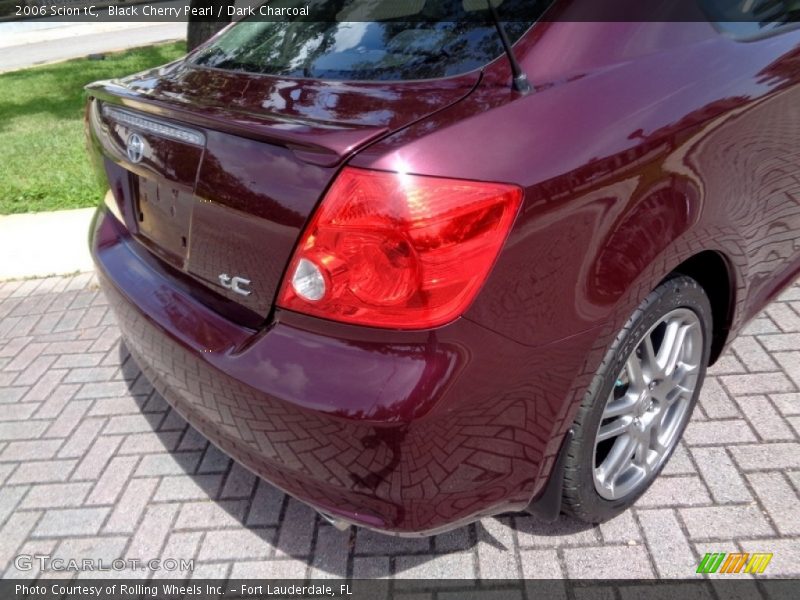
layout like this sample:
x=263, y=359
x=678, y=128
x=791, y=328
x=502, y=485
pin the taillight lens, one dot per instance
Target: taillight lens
x=398, y=251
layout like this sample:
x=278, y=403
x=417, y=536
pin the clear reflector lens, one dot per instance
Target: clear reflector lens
x=308, y=281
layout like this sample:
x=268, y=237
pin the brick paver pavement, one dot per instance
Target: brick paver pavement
x=93, y=463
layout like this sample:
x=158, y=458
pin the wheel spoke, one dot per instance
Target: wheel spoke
x=633, y=367
x=649, y=359
x=670, y=354
x=665, y=423
x=658, y=445
x=642, y=451
x=676, y=393
x=667, y=344
x=619, y=459
x=686, y=372
x=621, y=406
x=660, y=423
x=614, y=428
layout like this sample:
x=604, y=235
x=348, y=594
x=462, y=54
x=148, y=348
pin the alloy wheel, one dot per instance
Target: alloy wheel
x=648, y=405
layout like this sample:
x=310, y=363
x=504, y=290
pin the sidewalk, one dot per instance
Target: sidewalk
x=16, y=33
x=36, y=43
x=44, y=244
x=94, y=463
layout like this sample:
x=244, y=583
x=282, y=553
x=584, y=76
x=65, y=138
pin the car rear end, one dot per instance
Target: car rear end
x=302, y=313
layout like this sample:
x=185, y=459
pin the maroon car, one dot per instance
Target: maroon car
x=426, y=268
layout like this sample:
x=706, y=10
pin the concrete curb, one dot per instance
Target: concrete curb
x=44, y=244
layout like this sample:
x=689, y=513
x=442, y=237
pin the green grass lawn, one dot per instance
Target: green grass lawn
x=43, y=161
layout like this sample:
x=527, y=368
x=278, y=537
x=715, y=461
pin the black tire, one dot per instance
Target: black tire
x=580, y=494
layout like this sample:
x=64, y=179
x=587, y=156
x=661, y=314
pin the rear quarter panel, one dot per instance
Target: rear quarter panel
x=643, y=144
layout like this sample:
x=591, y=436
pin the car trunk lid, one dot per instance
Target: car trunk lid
x=233, y=164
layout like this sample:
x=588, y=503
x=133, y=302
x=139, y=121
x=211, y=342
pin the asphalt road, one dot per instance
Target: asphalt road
x=37, y=43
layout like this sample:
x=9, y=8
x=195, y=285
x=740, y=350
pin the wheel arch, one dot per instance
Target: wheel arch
x=713, y=271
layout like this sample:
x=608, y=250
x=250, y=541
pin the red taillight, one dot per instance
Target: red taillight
x=401, y=251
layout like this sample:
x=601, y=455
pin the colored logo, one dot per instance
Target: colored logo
x=720, y=562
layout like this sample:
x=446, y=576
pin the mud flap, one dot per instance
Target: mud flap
x=548, y=505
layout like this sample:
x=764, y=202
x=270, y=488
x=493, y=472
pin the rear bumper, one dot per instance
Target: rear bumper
x=402, y=432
